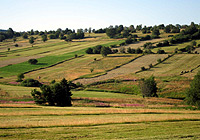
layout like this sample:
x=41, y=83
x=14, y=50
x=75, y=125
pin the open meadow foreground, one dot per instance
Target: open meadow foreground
x=104, y=82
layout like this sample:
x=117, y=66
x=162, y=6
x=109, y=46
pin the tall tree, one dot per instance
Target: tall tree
x=193, y=93
x=44, y=38
x=149, y=87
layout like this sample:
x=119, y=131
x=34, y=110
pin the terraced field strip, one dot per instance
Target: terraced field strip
x=175, y=65
x=131, y=67
x=79, y=67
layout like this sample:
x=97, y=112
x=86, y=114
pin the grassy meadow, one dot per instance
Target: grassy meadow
x=107, y=110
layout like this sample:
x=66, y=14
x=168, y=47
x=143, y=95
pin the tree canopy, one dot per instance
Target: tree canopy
x=193, y=93
x=57, y=94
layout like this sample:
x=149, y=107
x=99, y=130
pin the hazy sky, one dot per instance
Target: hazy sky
x=24, y=15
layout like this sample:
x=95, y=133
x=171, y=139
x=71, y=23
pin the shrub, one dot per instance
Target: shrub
x=91, y=70
x=115, y=51
x=105, y=51
x=31, y=83
x=159, y=60
x=129, y=50
x=53, y=81
x=149, y=87
x=20, y=77
x=89, y=51
x=150, y=66
x=16, y=45
x=129, y=40
x=143, y=68
x=161, y=51
x=32, y=61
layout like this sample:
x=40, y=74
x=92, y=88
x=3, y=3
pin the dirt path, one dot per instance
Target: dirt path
x=17, y=60
x=132, y=67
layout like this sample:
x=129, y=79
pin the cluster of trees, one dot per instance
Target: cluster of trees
x=163, y=44
x=99, y=49
x=59, y=33
x=134, y=51
x=57, y=94
x=190, y=32
x=117, y=32
x=69, y=34
x=8, y=34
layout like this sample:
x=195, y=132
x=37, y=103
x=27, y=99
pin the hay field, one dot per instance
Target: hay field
x=35, y=122
x=131, y=67
x=175, y=65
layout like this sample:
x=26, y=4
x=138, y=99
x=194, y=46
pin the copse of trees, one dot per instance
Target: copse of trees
x=57, y=94
x=99, y=50
x=134, y=51
x=163, y=44
x=190, y=32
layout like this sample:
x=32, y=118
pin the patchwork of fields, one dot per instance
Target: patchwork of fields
x=109, y=110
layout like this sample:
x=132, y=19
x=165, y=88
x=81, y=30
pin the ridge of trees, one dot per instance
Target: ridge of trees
x=187, y=32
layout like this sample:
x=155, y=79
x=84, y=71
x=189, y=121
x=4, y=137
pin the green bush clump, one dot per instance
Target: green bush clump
x=32, y=61
x=31, y=83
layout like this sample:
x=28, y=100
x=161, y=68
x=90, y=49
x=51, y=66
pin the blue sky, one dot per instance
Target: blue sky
x=24, y=15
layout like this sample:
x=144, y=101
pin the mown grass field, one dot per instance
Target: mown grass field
x=127, y=117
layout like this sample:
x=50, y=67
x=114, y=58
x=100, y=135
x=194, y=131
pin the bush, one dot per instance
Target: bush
x=32, y=61
x=149, y=87
x=16, y=45
x=31, y=83
x=159, y=60
x=150, y=66
x=58, y=94
x=89, y=51
x=161, y=51
x=143, y=68
x=20, y=77
x=129, y=40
